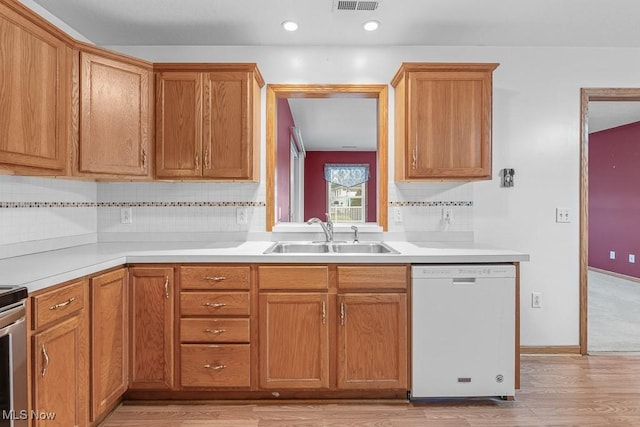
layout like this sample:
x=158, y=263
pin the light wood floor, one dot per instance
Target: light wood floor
x=580, y=391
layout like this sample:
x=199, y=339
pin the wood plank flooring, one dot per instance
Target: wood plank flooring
x=566, y=390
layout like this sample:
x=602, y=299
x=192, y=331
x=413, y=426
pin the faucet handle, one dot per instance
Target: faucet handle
x=328, y=215
x=355, y=234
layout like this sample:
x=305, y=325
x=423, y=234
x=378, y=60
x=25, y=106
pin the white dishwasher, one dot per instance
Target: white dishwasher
x=463, y=330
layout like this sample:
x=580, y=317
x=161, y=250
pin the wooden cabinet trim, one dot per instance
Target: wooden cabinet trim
x=373, y=277
x=303, y=277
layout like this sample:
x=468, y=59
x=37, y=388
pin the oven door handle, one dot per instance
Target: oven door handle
x=10, y=317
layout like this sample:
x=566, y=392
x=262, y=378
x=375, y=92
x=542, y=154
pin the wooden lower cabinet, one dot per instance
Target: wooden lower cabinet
x=151, y=296
x=294, y=340
x=109, y=340
x=372, y=341
x=58, y=375
x=215, y=365
x=215, y=327
x=59, y=362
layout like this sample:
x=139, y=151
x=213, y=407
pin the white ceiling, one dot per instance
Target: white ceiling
x=330, y=124
x=550, y=23
x=610, y=114
x=403, y=22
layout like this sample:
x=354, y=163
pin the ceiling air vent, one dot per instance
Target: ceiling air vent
x=355, y=5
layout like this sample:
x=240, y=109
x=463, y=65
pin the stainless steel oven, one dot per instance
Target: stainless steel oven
x=13, y=357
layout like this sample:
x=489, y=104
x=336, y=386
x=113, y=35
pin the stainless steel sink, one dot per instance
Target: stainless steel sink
x=363, y=248
x=330, y=247
x=298, y=248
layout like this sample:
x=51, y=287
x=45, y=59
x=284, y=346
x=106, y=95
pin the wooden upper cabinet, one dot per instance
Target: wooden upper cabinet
x=115, y=116
x=208, y=121
x=178, y=124
x=443, y=121
x=35, y=94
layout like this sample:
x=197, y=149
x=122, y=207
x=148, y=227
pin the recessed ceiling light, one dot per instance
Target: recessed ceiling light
x=371, y=25
x=290, y=25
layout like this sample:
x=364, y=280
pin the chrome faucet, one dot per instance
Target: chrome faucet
x=355, y=234
x=326, y=227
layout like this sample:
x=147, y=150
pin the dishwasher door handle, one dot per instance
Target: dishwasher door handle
x=464, y=281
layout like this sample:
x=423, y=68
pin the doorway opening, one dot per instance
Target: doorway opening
x=589, y=95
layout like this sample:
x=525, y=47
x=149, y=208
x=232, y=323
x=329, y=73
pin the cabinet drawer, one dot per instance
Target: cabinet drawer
x=215, y=365
x=215, y=277
x=372, y=277
x=214, y=330
x=57, y=304
x=214, y=303
x=293, y=277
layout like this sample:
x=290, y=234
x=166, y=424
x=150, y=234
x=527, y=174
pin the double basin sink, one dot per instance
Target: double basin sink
x=330, y=248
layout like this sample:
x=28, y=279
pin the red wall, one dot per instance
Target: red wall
x=284, y=122
x=315, y=187
x=614, y=198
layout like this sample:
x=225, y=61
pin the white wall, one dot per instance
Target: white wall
x=535, y=130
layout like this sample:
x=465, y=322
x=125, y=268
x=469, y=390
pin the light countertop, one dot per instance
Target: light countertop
x=44, y=269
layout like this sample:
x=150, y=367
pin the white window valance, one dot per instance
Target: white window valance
x=346, y=175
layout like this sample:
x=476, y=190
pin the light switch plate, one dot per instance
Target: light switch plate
x=562, y=215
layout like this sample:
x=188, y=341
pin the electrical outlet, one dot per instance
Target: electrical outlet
x=562, y=215
x=241, y=215
x=612, y=254
x=397, y=214
x=447, y=215
x=632, y=258
x=536, y=300
x=126, y=216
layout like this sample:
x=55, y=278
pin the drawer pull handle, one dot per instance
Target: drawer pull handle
x=46, y=360
x=214, y=368
x=215, y=331
x=342, y=314
x=324, y=313
x=166, y=287
x=214, y=304
x=62, y=304
x=215, y=278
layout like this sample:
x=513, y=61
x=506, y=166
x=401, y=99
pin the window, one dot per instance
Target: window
x=347, y=191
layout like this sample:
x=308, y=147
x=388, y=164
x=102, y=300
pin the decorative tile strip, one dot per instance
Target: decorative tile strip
x=22, y=205
x=431, y=204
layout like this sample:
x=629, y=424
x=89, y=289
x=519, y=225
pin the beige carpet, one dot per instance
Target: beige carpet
x=614, y=314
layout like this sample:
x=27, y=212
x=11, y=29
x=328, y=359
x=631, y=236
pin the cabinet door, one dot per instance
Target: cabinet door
x=115, y=117
x=372, y=341
x=294, y=340
x=57, y=375
x=227, y=136
x=35, y=100
x=152, y=302
x=109, y=338
x=178, y=124
x=449, y=124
